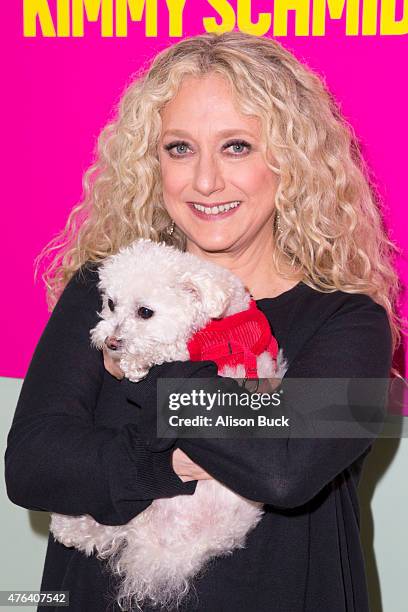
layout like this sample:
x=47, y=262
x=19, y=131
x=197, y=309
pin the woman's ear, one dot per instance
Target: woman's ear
x=212, y=294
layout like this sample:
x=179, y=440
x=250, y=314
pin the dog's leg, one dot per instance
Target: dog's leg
x=233, y=371
x=267, y=367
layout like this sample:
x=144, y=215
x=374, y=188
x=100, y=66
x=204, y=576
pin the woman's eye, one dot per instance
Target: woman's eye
x=238, y=146
x=179, y=147
x=145, y=313
x=111, y=305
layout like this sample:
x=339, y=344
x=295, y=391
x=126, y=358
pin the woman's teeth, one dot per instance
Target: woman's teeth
x=214, y=210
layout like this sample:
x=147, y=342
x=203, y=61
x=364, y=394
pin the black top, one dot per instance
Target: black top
x=77, y=446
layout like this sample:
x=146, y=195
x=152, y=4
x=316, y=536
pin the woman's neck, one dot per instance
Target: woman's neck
x=254, y=266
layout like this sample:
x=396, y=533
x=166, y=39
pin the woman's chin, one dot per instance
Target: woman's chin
x=211, y=243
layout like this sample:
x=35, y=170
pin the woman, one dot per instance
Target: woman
x=217, y=121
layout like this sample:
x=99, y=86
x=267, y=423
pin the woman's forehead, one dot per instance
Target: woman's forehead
x=206, y=105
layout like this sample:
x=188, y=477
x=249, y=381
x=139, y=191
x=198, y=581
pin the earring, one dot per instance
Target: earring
x=278, y=223
x=170, y=229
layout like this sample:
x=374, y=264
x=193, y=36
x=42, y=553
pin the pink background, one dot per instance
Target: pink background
x=60, y=92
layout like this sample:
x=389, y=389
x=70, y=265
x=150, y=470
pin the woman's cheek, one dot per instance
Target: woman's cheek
x=175, y=181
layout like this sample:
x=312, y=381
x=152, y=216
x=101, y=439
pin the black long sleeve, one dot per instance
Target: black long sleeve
x=58, y=457
x=286, y=472
x=80, y=444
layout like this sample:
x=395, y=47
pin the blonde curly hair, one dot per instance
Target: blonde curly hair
x=331, y=230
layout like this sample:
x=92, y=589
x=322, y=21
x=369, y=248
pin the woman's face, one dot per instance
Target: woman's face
x=210, y=156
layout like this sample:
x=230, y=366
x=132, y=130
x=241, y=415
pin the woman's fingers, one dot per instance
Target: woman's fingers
x=111, y=365
x=186, y=469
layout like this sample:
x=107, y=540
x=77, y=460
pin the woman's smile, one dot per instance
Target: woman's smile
x=216, y=211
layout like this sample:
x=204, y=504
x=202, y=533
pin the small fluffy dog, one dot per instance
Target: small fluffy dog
x=155, y=298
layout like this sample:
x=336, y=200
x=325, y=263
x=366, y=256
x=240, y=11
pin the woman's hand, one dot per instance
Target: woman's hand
x=186, y=469
x=183, y=466
x=112, y=365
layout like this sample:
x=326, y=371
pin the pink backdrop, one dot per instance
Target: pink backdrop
x=60, y=92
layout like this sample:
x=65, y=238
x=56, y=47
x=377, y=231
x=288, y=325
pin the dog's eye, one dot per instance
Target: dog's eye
x=145, y=313
x=111, y=305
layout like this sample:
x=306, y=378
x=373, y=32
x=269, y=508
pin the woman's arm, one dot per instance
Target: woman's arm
x=56, y=459
x=287, y=472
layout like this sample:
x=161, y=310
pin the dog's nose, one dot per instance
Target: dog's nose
x=113, y=343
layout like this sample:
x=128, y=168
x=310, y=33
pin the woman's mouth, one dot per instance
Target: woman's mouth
x=218, y=210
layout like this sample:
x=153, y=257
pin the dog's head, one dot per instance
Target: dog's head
x=155, y=297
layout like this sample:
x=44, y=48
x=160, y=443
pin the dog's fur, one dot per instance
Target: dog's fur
x=159, y=551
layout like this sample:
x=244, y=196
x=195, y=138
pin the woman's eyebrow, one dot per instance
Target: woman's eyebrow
x=222, y=133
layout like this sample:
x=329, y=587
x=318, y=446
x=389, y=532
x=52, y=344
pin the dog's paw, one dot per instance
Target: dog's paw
x=237, y=371
x=131, y=369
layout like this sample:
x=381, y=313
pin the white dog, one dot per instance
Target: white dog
x=155, y=298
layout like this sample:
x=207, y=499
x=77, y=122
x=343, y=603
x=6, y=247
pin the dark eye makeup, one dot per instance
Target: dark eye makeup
x=231, y=143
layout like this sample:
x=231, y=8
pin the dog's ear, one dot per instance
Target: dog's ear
x=211, y=293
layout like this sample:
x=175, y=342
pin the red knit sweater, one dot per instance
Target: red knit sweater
x=233, y=340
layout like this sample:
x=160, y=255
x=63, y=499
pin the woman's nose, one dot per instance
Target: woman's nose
x=208, y=175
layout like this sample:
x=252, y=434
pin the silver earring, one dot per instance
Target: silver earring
x=170, y=229
x=278, y=223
